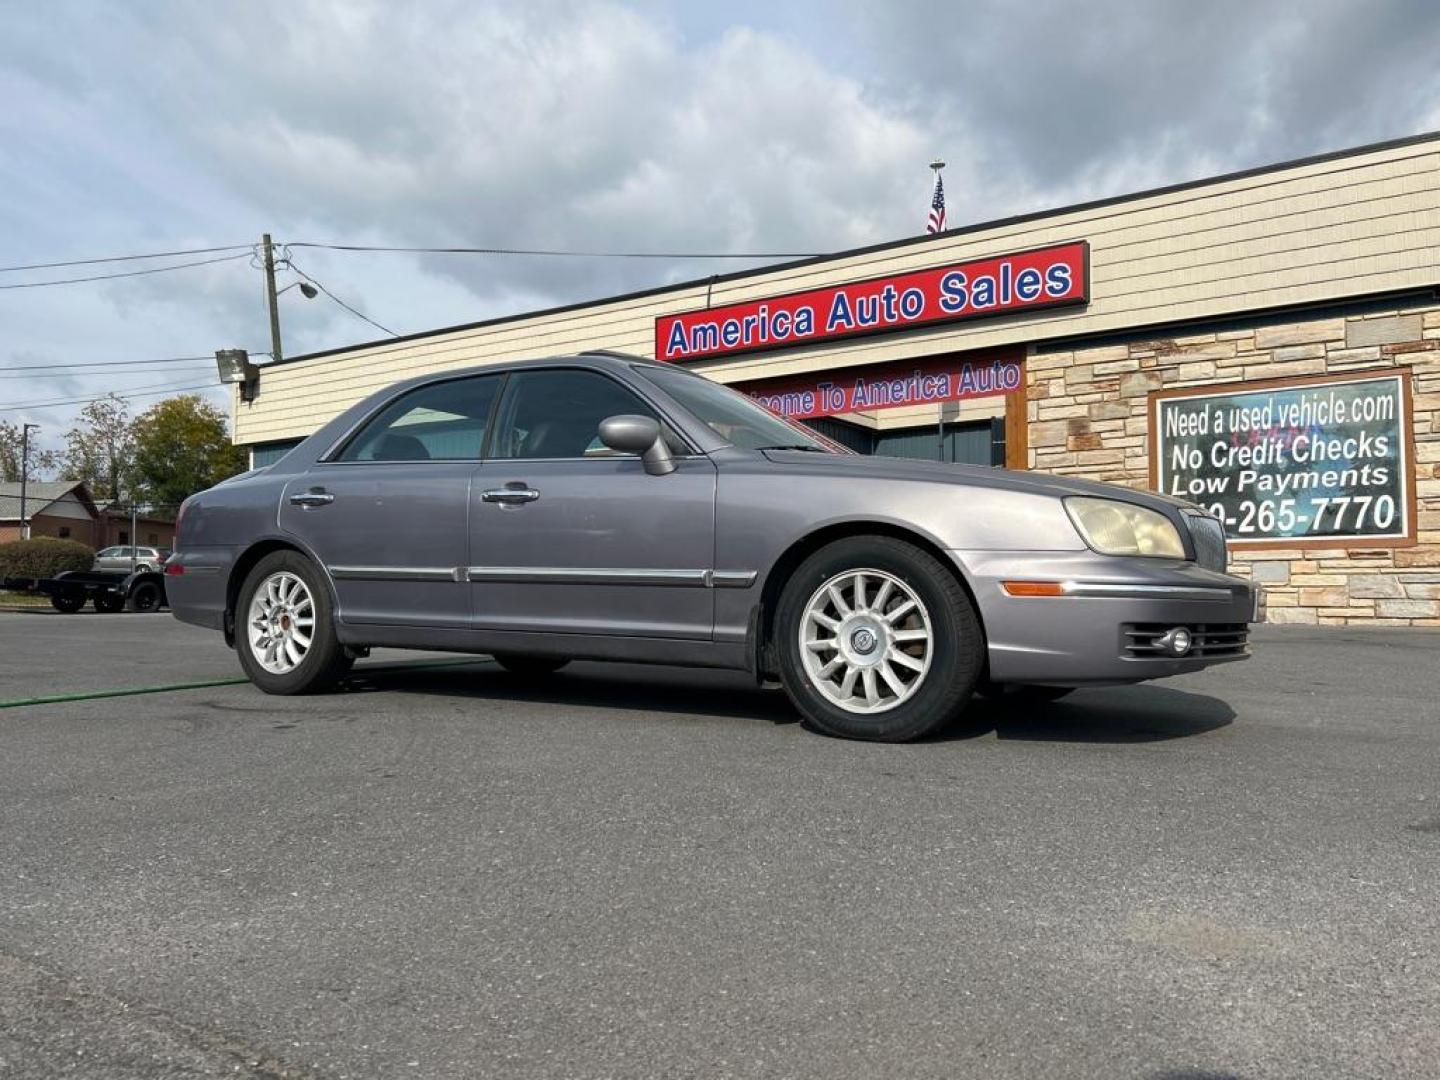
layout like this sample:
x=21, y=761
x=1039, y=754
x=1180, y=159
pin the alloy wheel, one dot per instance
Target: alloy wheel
x=281, y=622
x=866, y=641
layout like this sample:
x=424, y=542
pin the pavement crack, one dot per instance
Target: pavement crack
x=49, y=1020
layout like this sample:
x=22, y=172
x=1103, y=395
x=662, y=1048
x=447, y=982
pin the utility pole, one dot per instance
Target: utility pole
x=25, y=476
x=271, y=298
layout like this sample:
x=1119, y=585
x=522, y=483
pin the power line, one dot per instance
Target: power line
x=127, y=258
x=99, y=370
x=127, y=273
x=137, y=392
x=110, y=363
x=560, y=254
x=289, y=262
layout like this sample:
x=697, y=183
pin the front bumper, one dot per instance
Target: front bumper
x=1104, y=629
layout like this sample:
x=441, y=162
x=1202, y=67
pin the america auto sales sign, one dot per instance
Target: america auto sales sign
x=976, y=288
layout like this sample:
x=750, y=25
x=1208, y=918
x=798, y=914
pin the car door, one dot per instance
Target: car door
x=388, y=513
x=569, y=537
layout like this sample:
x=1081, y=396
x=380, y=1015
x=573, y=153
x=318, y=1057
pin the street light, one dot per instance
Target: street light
x=25, y=476
x=306, y=289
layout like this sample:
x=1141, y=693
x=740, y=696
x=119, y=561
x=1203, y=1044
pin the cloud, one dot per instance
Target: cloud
x=1066, y=101
x=538, y=126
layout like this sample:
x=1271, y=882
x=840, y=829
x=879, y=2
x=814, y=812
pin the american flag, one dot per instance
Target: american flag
x=936, y=222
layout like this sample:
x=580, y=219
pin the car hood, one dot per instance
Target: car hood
x=901, y=469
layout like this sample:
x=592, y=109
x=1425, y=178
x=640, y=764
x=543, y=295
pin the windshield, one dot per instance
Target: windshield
x=734, y=417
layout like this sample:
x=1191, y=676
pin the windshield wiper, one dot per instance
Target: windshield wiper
x=808, y=448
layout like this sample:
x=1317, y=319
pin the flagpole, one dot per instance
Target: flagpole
x=936, y=165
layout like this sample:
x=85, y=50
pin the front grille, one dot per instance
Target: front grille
x=1208, y=535
x=1139, y=640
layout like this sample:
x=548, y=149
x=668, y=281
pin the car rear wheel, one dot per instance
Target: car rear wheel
x=286, y=627
x=144, y=597
x=529, y=667
x=877, y=640
x=109, y=603
x=69, y=603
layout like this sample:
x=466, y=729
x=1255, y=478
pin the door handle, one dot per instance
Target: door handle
x=510, y=496
x=311, y=498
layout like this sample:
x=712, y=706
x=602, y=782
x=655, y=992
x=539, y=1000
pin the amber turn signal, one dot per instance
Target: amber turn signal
x=1033, y=588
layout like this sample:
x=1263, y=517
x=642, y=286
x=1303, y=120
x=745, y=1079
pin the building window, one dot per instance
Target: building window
x=64, y=532
x=124, y=536
x=152, y=539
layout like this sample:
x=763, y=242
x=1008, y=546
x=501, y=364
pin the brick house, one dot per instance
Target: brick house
x=66, y=510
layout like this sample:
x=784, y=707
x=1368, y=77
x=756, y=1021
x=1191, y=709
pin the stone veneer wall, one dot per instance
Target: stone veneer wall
x=1088, y=416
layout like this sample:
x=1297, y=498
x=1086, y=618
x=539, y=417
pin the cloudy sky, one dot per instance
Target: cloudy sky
x=647, y=126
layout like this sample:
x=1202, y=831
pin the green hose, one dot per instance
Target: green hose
x=131, y=691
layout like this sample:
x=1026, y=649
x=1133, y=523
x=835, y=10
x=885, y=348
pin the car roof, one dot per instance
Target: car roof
x=598, y=359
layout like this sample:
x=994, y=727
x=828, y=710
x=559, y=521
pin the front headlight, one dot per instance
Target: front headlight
x=1118, y=528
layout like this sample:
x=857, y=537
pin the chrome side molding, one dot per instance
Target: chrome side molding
x=395, y=573
x=1146, y=592
x=552, y=575
x=542, y=575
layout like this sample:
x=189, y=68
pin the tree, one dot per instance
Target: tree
x=12, y=453
x=100, y=449
x=182, y=445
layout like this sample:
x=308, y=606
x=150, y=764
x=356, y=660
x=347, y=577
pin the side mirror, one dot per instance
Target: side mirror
x=638, y=435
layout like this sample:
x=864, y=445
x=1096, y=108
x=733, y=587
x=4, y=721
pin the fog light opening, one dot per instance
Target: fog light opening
x=1176, y=641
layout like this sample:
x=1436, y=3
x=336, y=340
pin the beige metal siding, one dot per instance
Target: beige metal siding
x=1349, y=226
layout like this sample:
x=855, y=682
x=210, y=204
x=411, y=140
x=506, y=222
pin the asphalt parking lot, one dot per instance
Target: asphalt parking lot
x=626, y=872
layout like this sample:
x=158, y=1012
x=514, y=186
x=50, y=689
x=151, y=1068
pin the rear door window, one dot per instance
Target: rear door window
x=444, y=421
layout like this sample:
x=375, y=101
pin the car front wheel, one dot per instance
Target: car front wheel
x=286, y=627
x=878, y=640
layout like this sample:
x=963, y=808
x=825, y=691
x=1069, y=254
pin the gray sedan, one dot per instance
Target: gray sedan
x=610, y=508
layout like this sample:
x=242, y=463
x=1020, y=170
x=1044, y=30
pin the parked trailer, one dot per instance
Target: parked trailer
x=109, y=592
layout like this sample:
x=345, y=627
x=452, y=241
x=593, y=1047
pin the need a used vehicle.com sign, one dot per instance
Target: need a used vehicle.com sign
x=1323, y=459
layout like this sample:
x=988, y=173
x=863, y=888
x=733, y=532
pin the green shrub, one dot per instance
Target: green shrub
x=43, y=557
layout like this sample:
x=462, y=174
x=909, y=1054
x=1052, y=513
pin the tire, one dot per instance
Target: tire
x=529, y=667
x=932, y=667
x=144, y=597
x=283, y=597
x=109, y=603
x=69, y=603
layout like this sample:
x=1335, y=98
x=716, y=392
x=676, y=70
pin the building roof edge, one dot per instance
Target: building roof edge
x=909, y=241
